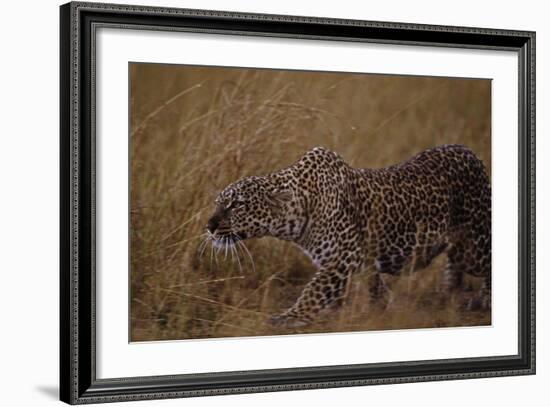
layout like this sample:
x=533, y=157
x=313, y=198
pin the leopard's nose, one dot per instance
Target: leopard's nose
x=212, y=224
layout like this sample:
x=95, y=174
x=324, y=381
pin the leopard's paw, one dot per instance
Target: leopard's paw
x=288, y=321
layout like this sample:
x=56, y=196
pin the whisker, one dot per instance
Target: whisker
x=216, y=251
x=240, y=242
x=211, y=254
x=207, y=241
x=234, y=247
x=226, y=243
x=200, y=248
x=232, y=251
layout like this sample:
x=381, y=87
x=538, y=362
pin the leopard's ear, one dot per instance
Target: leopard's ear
x=283, y=194
x=277, y=197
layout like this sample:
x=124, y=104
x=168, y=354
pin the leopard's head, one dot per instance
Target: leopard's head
x=251, y=207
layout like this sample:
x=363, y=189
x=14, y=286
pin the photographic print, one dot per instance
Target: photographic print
x=238, y=191
x=268, y=202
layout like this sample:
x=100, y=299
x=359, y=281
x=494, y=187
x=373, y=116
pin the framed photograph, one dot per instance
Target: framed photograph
x=255, y=203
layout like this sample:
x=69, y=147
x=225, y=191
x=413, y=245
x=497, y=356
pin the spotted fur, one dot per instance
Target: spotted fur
x=391, y=219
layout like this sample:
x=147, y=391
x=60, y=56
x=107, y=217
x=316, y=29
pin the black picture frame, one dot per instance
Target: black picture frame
x=78, y=382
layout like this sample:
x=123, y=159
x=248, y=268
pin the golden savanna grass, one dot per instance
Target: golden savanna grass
x=194, y=130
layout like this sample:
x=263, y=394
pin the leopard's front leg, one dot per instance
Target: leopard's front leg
x=325, y=291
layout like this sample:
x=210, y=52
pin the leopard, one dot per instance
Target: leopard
x=346, y=219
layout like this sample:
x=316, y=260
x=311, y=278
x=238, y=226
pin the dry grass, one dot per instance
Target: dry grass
x=195, y=130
